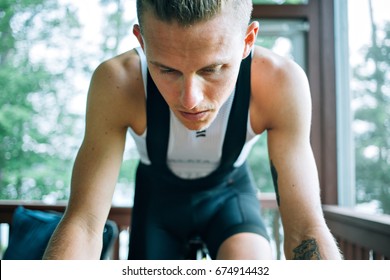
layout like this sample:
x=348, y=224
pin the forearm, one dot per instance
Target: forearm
x=72, y=242
x=315, y=245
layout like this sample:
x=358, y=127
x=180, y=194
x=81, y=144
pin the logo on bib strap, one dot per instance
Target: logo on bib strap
x=201, y=133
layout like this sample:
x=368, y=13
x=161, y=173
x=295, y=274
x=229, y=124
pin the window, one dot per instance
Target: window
x=363, y=99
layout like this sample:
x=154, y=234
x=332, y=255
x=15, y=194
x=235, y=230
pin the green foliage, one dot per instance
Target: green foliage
x=127, y=172
x=117, y=26
x=41, y=53
x=34, y=152
x=259, y=163
x=373, y=141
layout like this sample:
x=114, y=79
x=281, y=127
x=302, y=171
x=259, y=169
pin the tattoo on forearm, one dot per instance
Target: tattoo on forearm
x=274, y=174
x=308, y=250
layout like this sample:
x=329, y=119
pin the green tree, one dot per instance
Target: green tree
x=372, y=94
x=118, y=25
x=36, y=146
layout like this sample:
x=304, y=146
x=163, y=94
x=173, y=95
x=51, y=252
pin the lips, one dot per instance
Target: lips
x=194, y=116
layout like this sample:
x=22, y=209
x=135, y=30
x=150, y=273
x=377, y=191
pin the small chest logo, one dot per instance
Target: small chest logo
x=201, y=133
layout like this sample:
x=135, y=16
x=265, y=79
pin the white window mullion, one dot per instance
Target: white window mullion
x=345, y=142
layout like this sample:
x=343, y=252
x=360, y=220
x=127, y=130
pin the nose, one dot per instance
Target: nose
x=192, y=93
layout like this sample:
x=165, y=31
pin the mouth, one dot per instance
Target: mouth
x=194, y=116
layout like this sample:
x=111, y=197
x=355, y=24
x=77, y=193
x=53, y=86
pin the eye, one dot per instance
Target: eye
x=165, y=70
x=212, y=70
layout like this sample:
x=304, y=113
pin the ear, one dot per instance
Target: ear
x=250, y=38
x=138, y=35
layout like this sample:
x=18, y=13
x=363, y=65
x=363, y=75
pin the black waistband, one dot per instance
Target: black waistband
x=165, y=182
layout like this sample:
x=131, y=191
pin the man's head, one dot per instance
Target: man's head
x=189, y=12
x=194, y=52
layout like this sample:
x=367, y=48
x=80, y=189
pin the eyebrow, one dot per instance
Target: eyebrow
x=213, y=65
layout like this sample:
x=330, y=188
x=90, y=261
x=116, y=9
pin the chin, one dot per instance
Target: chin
x=199, y=124
x=196, y=126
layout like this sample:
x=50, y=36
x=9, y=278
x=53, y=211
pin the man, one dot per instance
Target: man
x=194, y=97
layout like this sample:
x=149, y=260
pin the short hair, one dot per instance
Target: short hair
x=188, y=12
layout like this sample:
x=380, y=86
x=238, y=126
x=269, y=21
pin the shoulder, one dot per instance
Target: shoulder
x=280, y=91
x=119, y=74
x=117, y=66
x=117, y=87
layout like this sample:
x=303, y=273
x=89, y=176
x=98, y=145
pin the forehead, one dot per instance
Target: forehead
x=216, y=39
